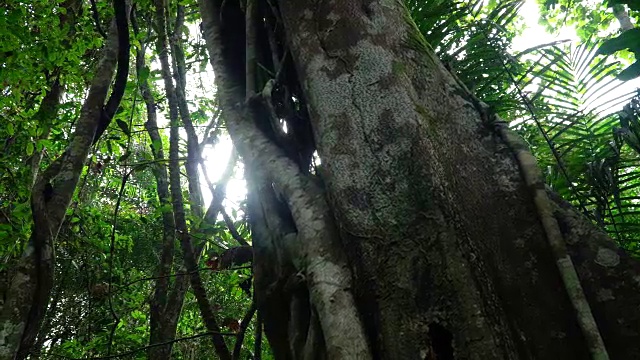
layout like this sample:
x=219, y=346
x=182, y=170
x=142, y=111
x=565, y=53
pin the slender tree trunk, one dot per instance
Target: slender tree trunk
x=47, y=326
x=622, y=15
x=190, y=256
x=455, y=248
x=166, y=305
x=26, y=300
x=167, y=301
x=29, y=291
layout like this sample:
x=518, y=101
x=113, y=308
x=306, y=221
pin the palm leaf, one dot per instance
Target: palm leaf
x=583, y=133
x=557, y=95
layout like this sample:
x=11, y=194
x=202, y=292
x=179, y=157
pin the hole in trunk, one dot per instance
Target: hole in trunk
x=441, y=340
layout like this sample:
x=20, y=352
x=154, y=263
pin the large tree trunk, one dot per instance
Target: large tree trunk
x=447, y=246
x=453, y=247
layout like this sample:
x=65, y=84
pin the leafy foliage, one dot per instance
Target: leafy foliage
x=577, y=121
x=592, y=18
x=627, y=40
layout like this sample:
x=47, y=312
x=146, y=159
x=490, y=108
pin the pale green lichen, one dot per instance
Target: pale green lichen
x=607, y=257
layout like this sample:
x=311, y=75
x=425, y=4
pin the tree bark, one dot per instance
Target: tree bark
x=449, y=254
x=164, y=309
x=443, y=232
x=454, y=249
x=622, y=15
x=312, y=247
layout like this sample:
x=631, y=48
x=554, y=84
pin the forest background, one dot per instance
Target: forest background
x=567, y=86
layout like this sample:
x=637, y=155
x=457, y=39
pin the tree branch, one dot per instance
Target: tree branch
x=232, y=228
x=243, y=329
x=120, y=8
x=96, y=18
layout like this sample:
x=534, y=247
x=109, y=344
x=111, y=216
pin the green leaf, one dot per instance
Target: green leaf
x=42, y=143
x=30, y=148
x=143, y=74
x=632, y=72
x=125, y=156
x=124, y=127
x=633, y=4
x=10, y=129
x=627, y=40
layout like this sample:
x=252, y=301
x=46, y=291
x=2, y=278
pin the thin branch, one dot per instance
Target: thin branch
x=111, y=255
x=531, y=108
x=181, y=274
x=122, y=72
x=214, y=123
x=96, y=18
x=218, y=193
x=537, y=47
x=250, y=65
x=230, y=225
x=113, y=235
x=257, y=346
x=243, y=329
x=190, y=259
x=150, y=278
x=232, y=228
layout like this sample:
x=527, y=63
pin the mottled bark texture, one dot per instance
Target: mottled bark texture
x=306, y=239
x=448, y=252
x=190, y=257
x=622, y=15
x=418, y=237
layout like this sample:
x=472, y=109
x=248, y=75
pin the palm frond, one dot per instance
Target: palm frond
x=578, y=111
x=563, y=97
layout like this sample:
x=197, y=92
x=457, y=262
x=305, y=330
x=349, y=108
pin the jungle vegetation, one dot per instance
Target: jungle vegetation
x=372, y=205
